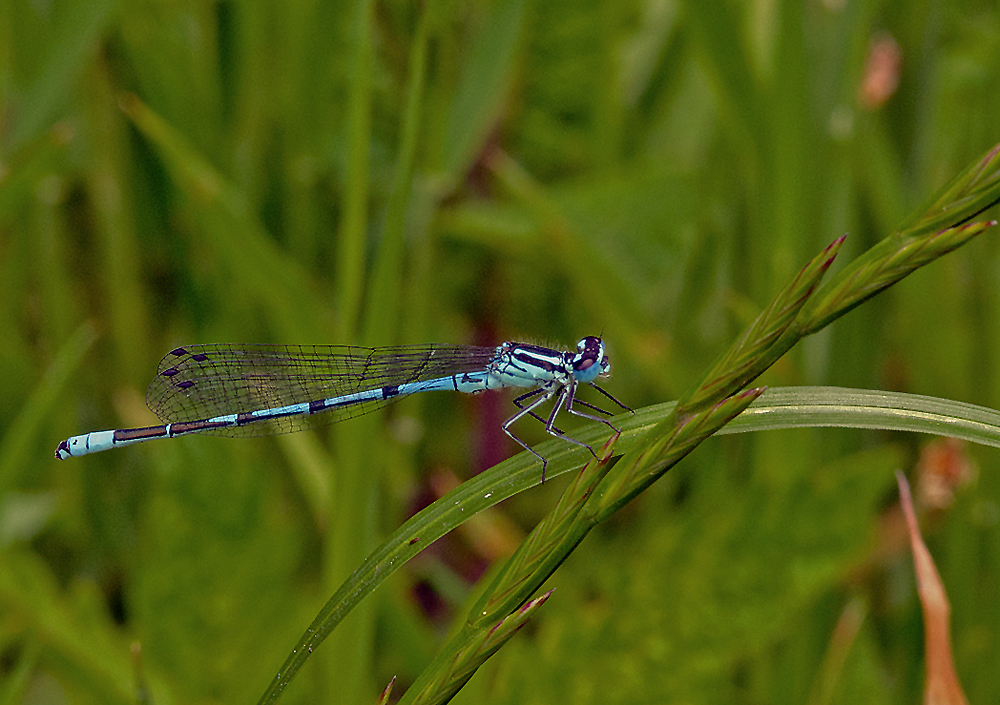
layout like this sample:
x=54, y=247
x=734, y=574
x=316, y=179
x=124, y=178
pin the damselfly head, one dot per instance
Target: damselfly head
x=590, y=361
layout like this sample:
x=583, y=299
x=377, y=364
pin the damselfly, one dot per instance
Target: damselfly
x=257, y=390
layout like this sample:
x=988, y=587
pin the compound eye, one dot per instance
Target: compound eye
x=590, y=350
x=591, y=344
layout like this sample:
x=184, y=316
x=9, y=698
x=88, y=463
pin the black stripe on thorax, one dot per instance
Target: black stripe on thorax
x=542, y=358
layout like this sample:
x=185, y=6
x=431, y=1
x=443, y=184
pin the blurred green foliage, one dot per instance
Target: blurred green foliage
x=652, y=171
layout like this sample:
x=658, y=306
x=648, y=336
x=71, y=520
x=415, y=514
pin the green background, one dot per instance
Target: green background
x=308, y=172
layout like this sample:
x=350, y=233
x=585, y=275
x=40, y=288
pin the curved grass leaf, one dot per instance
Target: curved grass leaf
x=790, y=407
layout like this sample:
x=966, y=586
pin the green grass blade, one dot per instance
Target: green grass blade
x=812, y=407
x=354, y=225
x=17, y=443
x=385, y=302
x=791, y=407
x=236, y=236
x=483, y=87
x=75, y=37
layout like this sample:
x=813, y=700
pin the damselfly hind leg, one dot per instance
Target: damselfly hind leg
x=523, y=411
x=565, y=398
x=519, y=403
